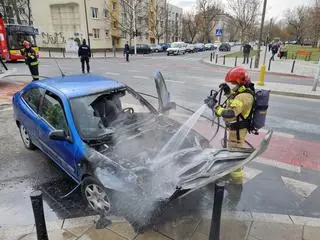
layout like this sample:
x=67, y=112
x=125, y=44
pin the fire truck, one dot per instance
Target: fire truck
x=11, y=40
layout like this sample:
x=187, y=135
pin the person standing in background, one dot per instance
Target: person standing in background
x=84, y=53
x=246, y=53
x=126, y=51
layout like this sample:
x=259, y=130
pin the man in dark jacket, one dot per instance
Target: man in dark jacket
x=246, y=53
x=274, y=50
x=31, y=59
x=126, y=51
x=84, y=53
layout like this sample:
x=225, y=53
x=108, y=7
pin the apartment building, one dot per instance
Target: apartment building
x=106, y=23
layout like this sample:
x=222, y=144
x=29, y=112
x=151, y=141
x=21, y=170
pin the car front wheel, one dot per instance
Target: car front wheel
x=98, y=197
x=26, y=138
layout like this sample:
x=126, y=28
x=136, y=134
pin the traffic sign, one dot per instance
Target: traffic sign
x=219, y=32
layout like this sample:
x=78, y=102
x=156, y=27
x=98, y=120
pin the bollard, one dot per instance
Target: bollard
x=37, y=205
x=211, y=57
x=216, y=58
x=105, y=53
x=216, y=212
x=235, y=61
x=261, y=75
x=269, y=66
x=49, y=53
x=251, y=62
x=224, y=60
x=292, y=69
x=64, y=53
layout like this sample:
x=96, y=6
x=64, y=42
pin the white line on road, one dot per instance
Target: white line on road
x=133, y=70
x=278, y=164
x=250, y=173
x=112, y=73
x=141, y=77
x=174, y=81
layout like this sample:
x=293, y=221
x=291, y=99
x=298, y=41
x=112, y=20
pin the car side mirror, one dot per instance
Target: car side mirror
x=58, y=135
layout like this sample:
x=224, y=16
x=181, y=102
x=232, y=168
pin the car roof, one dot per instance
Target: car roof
x=79, y=85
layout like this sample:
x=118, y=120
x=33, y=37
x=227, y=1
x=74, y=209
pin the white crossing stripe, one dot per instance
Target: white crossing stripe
x=113, y=73
x=141, y=77
x=174, y=81
x=250, y=173
x=300, y=188
x=278, y=164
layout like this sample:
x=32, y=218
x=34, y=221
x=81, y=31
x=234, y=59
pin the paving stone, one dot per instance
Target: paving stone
x=230, y=228
x=181, y=228
x=100, y=234
x=278, y=231
x=123, y=229
x=199, y=236
x=311, y=233
x=267, y=217
x=52, y=235
x=151, y=235
x=79, y=231
x=80, y=222
x=15, y=232
x=54, y=225
x=314, y=222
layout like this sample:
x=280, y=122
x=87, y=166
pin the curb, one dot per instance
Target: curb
x=254, y=70
x=88, y=221
x=292, y=94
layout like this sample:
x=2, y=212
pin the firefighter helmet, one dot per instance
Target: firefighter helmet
x=237, y=75
x=26, y=44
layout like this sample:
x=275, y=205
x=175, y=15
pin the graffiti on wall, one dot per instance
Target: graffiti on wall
x=53, y=39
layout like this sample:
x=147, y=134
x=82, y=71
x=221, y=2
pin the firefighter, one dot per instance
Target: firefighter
x=84, y=53
x=237, y=111
x=31, y=59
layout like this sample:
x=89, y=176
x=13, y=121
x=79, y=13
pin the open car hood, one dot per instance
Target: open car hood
x=191, y=169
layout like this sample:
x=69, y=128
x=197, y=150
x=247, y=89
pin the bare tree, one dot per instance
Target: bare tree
x=16, y=9
x=313, y=29
x=208, y=11
x=244, y=14
x=297, y=20
x=125, y=22
x=190, y=26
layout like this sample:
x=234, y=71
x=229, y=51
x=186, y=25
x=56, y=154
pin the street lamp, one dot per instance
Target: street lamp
x=86, y=14
x=133, y=8
x=256, y=63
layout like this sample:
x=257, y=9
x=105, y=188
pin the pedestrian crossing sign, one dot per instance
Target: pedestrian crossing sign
x=219, y=32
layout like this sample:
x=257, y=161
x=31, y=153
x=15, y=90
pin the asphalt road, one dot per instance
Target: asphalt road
x=269, y=187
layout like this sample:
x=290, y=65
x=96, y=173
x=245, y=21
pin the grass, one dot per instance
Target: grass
x=292, y=49
x=240, y=54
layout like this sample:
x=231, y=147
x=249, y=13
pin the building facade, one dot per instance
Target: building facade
x=107, y=23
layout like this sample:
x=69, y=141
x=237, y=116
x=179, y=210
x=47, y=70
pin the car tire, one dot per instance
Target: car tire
x=26, y=138
x=167, y=54
x=99, y=198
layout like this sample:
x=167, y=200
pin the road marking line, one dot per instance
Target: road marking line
x=278, y=164
x=133, y=70
x=301, y=188
x=173, y=81
x=141, y=77
x=113, y=73
x=250, y=173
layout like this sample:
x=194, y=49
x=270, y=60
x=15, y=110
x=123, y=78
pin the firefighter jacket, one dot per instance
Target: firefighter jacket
x=30, y=56
x=237, y=109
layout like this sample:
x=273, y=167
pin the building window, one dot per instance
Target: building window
x=106, y=33
x=96, y=33
x=114, y=5
x=105, y=12
x=94, y=12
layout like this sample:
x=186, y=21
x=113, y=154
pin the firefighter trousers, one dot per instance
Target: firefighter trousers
x=34, y=70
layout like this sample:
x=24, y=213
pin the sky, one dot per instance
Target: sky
x=275, y=8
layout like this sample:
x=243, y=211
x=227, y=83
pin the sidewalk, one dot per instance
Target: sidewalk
x=283, y=66
x=234, y=226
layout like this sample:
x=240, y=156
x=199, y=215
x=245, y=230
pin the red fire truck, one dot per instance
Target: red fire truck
x=11, y=39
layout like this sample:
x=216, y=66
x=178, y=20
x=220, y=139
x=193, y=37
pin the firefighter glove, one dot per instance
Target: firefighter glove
x=219, y=111
x=225, y=88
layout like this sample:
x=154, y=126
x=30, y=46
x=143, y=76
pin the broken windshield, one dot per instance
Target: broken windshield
x=96, y=115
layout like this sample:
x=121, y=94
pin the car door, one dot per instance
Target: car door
x=52, y=117
x=29, y=106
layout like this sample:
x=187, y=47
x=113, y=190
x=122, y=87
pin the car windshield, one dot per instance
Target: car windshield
x=97, y=115
x=176, y=45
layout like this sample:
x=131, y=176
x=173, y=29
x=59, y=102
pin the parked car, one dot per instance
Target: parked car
x=107, y=138
x=190, y=48
x=165, y=46
x=155, y=48
x=177, y=48
x=200, y=47
x=210, y=46
x=141, y=49
x=225, y=47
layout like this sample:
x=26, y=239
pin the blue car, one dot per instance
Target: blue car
x=107, y=138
